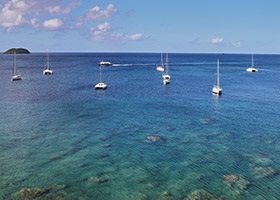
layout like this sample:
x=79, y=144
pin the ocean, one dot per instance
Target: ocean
x=139, y=139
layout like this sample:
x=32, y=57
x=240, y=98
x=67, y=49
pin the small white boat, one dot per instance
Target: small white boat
x=47, y=70
x=15, y=76
x=105, y=63
x=166, y=77
x=252, y=68
x=100, y=85
x=161, y=67
x=217, y=90
x=166, y=81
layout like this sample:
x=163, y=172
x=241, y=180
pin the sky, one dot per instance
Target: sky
x=178, y=26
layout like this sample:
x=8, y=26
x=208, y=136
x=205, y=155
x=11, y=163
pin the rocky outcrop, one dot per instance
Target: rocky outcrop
x=154, y=138
x=201, y=195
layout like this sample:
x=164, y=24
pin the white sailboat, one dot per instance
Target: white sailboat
x=100, y=85
x=217, y=89
x=252, y=68
x=166, y=77
x=47, y=70
x=15, y=75
x=161, y=67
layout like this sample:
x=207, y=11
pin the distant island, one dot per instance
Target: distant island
x=17, y=51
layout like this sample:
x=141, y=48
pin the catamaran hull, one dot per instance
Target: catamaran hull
x=166, y=81
x=47, y=72
x=16, y=78
x=251, y=69
x=217, y=91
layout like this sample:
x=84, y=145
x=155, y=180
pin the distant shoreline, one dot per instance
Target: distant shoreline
x=26, y=51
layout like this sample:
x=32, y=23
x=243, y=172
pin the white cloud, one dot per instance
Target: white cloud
x=136, y=36
x=32, y=14
x=19, y=5
x=11, y=14
x=53, y=24
x=96, y=13
x=58, y=10
x=100, y=32
x=18, y=13
x=217, y=40
x=124, y=37
x=103, y=33
x=236, y=44
x=34, y=23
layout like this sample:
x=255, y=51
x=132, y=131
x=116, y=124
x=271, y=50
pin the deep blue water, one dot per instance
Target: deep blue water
x=59, y=135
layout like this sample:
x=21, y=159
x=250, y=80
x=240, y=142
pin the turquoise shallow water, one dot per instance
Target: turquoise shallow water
x=61, y=139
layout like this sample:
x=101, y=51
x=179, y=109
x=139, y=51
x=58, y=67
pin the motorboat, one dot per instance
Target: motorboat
x=105, y=63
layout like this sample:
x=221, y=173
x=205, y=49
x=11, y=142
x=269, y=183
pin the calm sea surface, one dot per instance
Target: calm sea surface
x=61, y=139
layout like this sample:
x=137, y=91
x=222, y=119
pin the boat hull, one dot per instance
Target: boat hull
x=166, y=81
x=105, y=63
x=16, y=77
x=252, y=69
x=100, y=86
x=217, y=90
x=166, y=76
x=161, y=69
x=47, y=72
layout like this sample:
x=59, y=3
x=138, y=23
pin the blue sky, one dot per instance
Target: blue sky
x=184, y=26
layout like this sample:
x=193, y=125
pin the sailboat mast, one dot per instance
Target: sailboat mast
x=161, y=60
x=100, y=74
x=14, y=64
x=166, y=63
x=218, y=73
x=252, y=60
x=48, y=60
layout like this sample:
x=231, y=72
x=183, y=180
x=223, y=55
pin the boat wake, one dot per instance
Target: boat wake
x=122, y=65
x=156, y=64
x=135, y=64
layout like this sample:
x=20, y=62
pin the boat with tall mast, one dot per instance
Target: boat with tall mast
x=100, y=85
x=252, y=68
x=47, y=70
x=217, y=90
x=15, y=75
x=166, y=77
